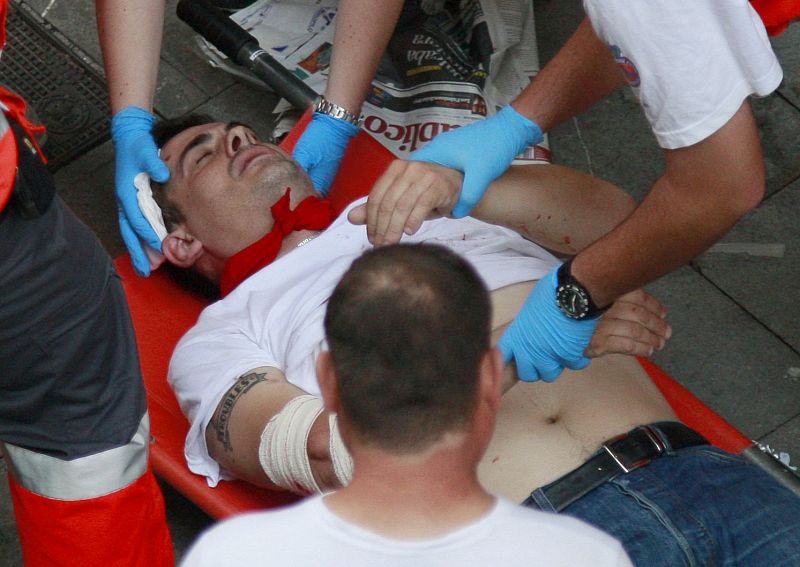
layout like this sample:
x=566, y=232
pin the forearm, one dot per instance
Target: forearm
x=130, y=39
x=363, y=29
x=581, y=73
x=706, y=189
x=559, y=208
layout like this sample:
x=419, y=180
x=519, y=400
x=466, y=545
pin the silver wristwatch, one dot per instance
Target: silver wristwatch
x=327, y=107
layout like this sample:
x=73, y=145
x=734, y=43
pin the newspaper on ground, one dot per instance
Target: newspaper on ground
x=449, y=63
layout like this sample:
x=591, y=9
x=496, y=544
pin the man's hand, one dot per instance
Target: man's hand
x=482, y=150
x=542, y=340
x=634, y=325
x=135, y=152
x=321, y=148
x=408, y=193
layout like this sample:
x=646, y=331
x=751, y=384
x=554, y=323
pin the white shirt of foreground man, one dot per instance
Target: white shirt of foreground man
x=308, y=533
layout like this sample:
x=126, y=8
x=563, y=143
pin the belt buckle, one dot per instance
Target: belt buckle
x=628, y=467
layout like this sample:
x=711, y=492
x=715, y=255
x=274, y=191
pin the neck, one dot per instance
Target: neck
x=433, y=494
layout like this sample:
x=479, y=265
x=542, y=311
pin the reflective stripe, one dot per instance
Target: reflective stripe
x=84, y=478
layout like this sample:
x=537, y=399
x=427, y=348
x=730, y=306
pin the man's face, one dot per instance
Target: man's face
x=225, y=180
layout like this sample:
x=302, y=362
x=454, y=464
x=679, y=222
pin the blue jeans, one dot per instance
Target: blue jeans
x=696, y=506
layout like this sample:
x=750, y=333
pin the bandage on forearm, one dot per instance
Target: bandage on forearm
x=283, y=451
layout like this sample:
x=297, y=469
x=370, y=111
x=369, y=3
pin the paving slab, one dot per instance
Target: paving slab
x=778, y=124
x=786, y=438
x=620, y=145
x=179, y=50
x=244, y=103
x=765, y=286
x=76, y=20
x=175, y=95
x=726, y=357
x=787, y=47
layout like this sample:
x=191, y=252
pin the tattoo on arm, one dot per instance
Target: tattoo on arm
x=242, y=386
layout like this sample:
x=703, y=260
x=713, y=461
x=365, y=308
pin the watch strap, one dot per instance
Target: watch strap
x=324, y=106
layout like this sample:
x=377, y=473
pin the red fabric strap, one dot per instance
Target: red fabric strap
x=312, y=213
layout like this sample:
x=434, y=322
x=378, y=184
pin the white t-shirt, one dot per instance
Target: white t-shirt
x=275, y=317
x=308, y=533
x=691, y=63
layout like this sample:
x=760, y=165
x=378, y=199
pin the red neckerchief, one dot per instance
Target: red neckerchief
x=312, y=213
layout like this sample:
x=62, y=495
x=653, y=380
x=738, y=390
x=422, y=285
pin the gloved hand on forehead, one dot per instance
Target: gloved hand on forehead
x=482, y=150
x=135, y=152
x=321, y=148
x=542, y=340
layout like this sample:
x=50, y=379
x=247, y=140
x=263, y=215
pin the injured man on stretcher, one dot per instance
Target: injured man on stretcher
x=245, y=373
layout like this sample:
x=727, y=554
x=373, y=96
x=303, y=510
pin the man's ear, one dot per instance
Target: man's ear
x=328, y=386
x=181, y=248
x=491, y=377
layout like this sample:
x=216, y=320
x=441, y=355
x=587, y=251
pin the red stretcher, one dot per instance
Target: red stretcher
x=163, y=311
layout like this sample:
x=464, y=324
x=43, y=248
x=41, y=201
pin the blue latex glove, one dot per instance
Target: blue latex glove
x=321, y=148
x=135, y=152
x=543, y=340
x=482, y=150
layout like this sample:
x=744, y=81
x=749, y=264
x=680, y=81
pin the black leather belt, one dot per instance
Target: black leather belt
x=619, y=455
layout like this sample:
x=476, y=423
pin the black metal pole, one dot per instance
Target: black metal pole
x=243, y=49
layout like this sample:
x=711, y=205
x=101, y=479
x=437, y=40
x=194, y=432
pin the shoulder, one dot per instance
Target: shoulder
x=241, y=539
x=555, y=530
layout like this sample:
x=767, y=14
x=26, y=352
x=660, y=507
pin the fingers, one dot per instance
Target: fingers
x=643, y=309
x=358, y=214
x=155, y=167
x=471, y=193
x=138, y=257
x=504, y=344
x=526, y=370
x=549, y=370
x=405, y=196
x=616, y=336
x=634, y=325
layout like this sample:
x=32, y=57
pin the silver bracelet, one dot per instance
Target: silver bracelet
x=325, y=106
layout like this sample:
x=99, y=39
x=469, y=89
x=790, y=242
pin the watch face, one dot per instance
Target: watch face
x=572, y=300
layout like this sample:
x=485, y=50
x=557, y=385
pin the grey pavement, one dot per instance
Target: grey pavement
x=735, y=315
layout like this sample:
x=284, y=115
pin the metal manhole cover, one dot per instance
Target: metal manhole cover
x=64, y=88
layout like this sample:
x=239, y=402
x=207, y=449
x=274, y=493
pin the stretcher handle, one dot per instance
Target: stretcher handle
x=242, y=48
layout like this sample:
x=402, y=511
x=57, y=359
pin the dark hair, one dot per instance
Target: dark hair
x=163, y=132
x=407, y=327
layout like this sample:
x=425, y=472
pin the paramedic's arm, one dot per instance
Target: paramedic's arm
x=582, y=73
x=706, y=189
x=363, y=29
x=130, y=38
x=234, y=433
